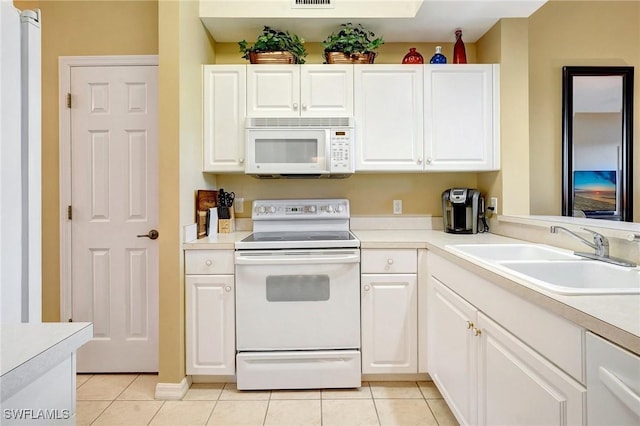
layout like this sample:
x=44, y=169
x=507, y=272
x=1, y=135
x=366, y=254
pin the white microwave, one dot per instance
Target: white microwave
x=298, y=147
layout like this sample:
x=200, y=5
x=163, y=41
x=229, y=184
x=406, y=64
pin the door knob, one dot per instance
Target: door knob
x=153, y=234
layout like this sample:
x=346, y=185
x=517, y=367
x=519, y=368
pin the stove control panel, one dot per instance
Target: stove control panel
x=300, y=209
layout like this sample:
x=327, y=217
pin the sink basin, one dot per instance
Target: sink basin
x=577, y=276
x=498, y=252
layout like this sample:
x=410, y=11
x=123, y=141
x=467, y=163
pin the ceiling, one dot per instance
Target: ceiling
x=394, y=20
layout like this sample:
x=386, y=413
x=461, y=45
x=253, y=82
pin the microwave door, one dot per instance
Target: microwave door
x=288, y=151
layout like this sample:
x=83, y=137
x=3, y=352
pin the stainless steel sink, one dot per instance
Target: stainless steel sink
x=498, y=252
x=577, y=277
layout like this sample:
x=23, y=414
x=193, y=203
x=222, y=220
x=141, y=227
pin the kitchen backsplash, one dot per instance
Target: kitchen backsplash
x=369, y=194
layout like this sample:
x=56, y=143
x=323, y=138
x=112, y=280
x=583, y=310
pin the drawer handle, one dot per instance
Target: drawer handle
x=469, y=325
x=390, y=261
x=367, y=288
x=227, y=288
x=209, y=262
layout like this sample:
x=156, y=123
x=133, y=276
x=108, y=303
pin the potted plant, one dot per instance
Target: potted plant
x=274, y=46
x=351, y=44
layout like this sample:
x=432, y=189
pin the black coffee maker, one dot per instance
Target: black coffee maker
x=461, y=210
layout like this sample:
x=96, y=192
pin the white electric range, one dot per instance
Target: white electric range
x=298, y=297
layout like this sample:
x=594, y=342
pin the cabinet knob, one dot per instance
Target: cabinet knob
x=304, y=107
x=295, y=107
x=477, y=332
x=390, y=261
x=241, y=160
x=209, y=262
x=469, y=325
x=429, y=160
x=227, y=288
x=419, y=160
x=367, y=288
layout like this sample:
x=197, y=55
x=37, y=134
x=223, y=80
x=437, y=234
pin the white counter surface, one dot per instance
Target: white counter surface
x=216, y=241
x=29, y=349
x=615, y=317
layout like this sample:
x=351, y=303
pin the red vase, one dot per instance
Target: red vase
x=459, y=54
x=413, y=57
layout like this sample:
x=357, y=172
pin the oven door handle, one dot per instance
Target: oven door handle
x=296, y=259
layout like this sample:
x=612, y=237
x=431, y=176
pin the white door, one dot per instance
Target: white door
x=461, y=118
x=453, y=350
x=326, y=91
x=388, y=106
x=114, y=198
x=211, y=331
x=389, y=323
x=224, y=114
x=273, y=91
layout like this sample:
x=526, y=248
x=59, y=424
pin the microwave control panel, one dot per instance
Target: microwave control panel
x=341, y=143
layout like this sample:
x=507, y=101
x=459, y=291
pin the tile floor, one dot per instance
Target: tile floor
x=127, y=399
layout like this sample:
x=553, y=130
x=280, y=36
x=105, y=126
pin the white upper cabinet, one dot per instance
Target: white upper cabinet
x=224, y=115
x=462, y=118
x=389, y=116
x=299, y=90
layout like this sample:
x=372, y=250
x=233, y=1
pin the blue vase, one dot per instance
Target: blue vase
x=438, y=58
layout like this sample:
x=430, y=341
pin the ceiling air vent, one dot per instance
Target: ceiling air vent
x=312, y=4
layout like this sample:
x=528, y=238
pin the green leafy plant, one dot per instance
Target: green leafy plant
x=275, y=40
x=351, y=39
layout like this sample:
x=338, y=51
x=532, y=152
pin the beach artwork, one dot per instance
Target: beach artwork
x=594, y=191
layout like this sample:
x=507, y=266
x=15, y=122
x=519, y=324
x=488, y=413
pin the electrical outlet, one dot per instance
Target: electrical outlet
x=238, y=205
x=397, y=206
x=493, y=203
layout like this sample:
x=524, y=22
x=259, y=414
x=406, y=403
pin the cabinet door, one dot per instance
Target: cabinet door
x=326, y=90
x=273, y=90
x=518, y=386
x=389, y=116
x=389, y=323
x=461, y=117
x=224, y=113
x=453, y=349
x=210, y=324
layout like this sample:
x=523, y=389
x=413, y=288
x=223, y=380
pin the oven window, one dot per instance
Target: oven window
x=297, y=288
x=285, y=151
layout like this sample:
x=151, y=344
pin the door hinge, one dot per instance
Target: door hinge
x=68, y=100
x=69, y=213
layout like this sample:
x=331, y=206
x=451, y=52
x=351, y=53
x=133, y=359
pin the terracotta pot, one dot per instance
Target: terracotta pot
x=354, y=58
x=271, y=58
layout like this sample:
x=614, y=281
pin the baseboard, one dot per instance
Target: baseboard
x=411, y=377
x=173, y=391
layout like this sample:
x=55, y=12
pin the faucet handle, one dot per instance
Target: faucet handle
x=597, y=237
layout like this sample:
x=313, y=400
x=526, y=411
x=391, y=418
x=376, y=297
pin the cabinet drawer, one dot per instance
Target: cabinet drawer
x=207, y=262
x=382, y=261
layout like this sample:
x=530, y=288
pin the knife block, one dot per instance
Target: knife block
x=226, y=226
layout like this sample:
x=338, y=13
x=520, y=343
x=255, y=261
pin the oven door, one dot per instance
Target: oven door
x=298, y=299
x=288, y=151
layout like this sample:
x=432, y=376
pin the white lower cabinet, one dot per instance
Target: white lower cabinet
x=389, y=311
x=210, y=313
x=490, y=377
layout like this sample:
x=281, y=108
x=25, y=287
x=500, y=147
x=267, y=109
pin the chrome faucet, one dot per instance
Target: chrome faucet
x=600, y=244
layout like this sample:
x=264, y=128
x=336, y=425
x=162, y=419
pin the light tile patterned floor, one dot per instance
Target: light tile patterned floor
x=127, y=399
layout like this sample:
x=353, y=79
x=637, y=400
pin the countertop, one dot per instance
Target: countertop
x=29, y=349
x=615, y=317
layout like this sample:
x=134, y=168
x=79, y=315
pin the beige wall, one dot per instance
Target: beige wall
x=573, y=33
x=74, y=28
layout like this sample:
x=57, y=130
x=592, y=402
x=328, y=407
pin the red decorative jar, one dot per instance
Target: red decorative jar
x=413, y=57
